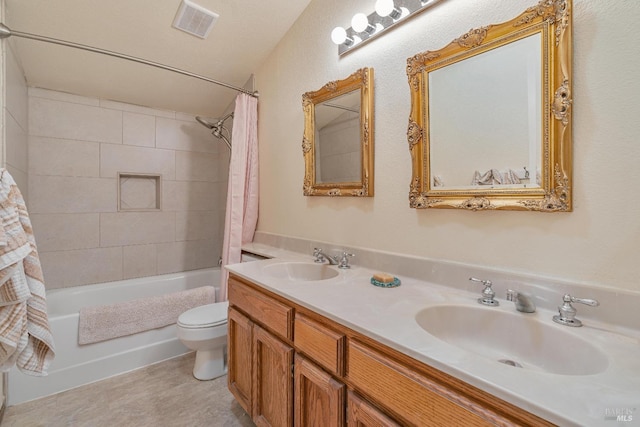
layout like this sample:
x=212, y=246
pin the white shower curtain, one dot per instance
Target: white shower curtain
x=242, y=193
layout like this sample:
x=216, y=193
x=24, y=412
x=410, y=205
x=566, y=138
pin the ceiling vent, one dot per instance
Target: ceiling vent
x=194, y=19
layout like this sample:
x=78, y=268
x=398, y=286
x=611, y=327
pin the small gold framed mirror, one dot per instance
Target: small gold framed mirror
x=338, y=137
x=490, y=122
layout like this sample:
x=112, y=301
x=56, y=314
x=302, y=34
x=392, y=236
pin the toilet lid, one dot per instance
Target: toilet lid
x=204, y=316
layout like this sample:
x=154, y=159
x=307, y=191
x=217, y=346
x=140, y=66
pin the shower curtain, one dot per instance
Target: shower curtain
x=242, y=192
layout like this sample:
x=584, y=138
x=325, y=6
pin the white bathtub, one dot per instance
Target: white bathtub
x=74, y=364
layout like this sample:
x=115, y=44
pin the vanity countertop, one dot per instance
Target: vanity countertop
x=388, y=316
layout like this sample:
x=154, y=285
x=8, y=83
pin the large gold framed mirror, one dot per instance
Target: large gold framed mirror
x=338, y=137
x=490, y=122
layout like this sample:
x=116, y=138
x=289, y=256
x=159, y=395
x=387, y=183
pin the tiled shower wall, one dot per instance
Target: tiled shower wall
x=77, y=146
x=15, y=120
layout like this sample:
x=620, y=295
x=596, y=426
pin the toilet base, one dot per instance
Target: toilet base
x=210, y=364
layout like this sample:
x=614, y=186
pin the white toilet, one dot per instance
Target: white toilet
x=204, y=329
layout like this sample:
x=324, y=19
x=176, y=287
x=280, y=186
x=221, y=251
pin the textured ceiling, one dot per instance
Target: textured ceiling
x=242, y=37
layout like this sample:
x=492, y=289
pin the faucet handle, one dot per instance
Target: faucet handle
x=567, y=313
x=344, y=260
x=587, y=301
x=487, y=293
x=316, y=255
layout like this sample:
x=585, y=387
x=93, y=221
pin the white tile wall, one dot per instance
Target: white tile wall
x=178, y=256
x=74, y=121
x=190, y=195
x=124, y=158
x=139, y=129
x=16, y=115
x=197, y=225
x=192, y=166
x=77, y=147
x=140, y=261
x=80, y=267
x=136, y=228
x=63, y=232
x=64, y=157
x=184, y=135
x=63, y=194
x=16, y=137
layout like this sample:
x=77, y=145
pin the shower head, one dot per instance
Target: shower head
x=209, y=125
x=217, y=128
x=204, y=122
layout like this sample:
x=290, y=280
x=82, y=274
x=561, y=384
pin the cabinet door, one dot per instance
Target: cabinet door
x=272, y=380
x=239, y=356
x=319, y=399
x=362, y=414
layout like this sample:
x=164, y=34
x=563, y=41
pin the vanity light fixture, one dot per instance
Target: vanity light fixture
x=360, y=23
x=339, y=36
x=388, y=13
x=388, y=8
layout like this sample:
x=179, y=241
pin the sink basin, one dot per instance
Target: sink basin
x=302, y=271
x=514, y=339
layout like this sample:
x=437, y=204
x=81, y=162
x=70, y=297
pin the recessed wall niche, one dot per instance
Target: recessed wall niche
x=139, y=192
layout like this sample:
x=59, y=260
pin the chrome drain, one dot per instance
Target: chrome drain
x=510, y=363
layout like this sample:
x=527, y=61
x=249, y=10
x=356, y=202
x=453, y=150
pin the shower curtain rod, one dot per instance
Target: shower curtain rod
x=7, y=32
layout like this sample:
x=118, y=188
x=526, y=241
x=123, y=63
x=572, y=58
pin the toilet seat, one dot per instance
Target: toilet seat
x=204, y=316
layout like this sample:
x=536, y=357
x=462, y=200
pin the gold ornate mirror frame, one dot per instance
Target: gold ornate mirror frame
x=551, y=19
x=362, y=81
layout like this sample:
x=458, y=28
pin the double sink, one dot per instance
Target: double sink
x=527, y=341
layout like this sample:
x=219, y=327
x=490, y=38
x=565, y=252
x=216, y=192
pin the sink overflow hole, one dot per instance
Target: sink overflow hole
x=510, y=363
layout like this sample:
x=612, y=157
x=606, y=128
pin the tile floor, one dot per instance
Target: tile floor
x=164, y=394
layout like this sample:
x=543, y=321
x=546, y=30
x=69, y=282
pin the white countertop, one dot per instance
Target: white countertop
x=388, y=315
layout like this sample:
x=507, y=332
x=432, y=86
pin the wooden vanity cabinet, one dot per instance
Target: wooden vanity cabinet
x=291, y=366
x=240, y=358
x=363, y=414
x=260, y=358
x=319, y=398
x=272, y=396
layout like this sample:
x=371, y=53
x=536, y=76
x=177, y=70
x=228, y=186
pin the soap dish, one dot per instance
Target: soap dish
x=394, y=284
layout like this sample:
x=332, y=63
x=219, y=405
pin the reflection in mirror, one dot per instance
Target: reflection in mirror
x=505, y=144
x=490, y=123
x=338, y=137
x=337, y=141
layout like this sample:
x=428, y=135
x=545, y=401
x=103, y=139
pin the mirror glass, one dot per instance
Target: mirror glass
x=490, y=123
x=505, y=141
x=338, y=137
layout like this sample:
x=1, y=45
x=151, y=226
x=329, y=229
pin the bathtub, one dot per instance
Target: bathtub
x=75, y=365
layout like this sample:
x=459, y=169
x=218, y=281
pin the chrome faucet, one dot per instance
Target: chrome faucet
x=487, y=293
x=341, y=261
x=320, y=256
x=567, y=313
x=523, y=301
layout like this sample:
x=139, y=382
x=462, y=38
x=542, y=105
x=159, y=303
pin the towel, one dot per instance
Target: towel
x=25, y=337
x=103, y=322
x=495, y=177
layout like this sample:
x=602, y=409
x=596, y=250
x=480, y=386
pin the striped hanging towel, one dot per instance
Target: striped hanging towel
x=25, y=337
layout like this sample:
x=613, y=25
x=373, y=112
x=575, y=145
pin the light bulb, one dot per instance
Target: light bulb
x=404, y=13
x=338, y=35
x=359, y=22
x=384, y=7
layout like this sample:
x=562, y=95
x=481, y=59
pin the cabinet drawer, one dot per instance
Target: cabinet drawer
x=263, y=309
x=323, y=345
x=409, y=395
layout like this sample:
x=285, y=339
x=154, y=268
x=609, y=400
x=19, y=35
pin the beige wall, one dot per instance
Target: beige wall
x=597, y=243
x=77, y=145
